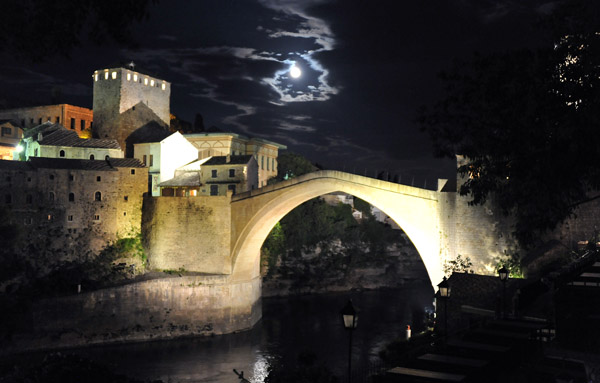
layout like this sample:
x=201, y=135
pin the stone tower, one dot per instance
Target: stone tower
x=130, y=107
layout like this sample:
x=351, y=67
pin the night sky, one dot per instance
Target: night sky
x=366, y=68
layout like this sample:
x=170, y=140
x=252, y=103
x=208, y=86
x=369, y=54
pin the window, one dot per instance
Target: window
x=213, y=173
x=82, y=125
x=40, y=121
x=106, y=75
x=151, y=82
x=35, y=152
x=107, y=157
x=125, y=198
x=146, y=81
x=96, y=217
x=8, y=178
x=164, y=86
x=61, y=153
x=72, y=123
x=151, y=159
x=57, y=119
x=51, y=196
x=144, y=159
x=214, y=189
x=267, y=164
x=29, y=199
x=96, y=77
x=71, y=197
x=193, y=192
x=71, y=177
x=98, y=178
x=135, y=77
x=92, y=157
x=132, y=171
x=49, y=217
x=231, y=187
x=31, y=121
x=51, y=176
x=124, y=214
x=70, y=218
x=8, y=199
x=23, y=123
x=114, y=75
x=28, y=221
x=28, y=179
x=273, y=164
x=128, y=76
x=6, y=131
x=262, y=162
x=98, y=196
x=231, y=172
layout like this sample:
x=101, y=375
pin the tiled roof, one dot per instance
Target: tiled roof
x=234, y=160
x=57, y=135
x=76, y=164
x=183, y=179
x=15, y=165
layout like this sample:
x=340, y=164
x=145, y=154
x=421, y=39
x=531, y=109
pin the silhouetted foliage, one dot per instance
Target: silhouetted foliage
x=290, y=165
x=527, y=122
x=198, y=123
x=38, y=29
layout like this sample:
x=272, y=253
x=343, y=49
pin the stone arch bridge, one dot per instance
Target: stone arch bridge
x=217, y=241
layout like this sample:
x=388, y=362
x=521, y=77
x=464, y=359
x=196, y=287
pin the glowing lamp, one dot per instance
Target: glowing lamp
x=503, y=274
x=19, y=148
x=444, y=288
x=349, y=316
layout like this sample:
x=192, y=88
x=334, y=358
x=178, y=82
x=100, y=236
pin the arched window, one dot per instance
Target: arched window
x=92, y=157
x=71, y=197
x=98, y=196
x=106, y=157
x=51, y=196
x=62, y=153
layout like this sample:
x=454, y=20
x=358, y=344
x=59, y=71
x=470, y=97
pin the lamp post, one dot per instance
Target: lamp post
x=444, y=289
x=350, y=320
x=503, y=274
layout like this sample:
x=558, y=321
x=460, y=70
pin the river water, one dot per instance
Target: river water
x=289, y=326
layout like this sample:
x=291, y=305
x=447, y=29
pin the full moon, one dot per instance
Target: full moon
x=295, y=72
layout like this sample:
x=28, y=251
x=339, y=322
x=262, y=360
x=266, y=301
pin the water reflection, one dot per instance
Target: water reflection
x=290, y=326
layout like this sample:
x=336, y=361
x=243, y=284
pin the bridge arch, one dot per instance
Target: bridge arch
x=255, y=213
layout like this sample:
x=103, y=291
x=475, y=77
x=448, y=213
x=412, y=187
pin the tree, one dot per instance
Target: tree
x=37, y=29
x=526, y=123
x=291, y=165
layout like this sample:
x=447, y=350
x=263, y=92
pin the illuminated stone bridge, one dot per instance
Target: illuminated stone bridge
x=220, y=237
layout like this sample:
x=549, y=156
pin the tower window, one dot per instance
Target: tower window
x=51, y=196
x=132, y=171
x=51, y=176
x=98, y=196
x=164, y=86
x=96, y=217
x=135, y=77
x=57, y=119
x=29, y=199
x=114, y=75
x=70, y=218
x=98, y=178
x=71, y=197
x=106, y=75
x=128, y=76
x=96, y=77
x=146, y=81
x=49, y=217
x=151, y=82
x=71, y=177
x=125, y=198
x=92, y=157
x=82, y=125
x=40, y=121
x=61, y=153
x=72, y=123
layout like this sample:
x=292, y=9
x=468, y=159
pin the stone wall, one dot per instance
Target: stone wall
x=192, y=233
x=153, y=309
x=62, y=113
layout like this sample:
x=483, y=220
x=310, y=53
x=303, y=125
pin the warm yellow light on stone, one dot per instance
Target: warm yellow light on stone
x=135, y=78
x=114, y=75
x=128, y=76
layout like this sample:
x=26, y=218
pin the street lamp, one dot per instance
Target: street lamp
x=503, y=274
x=350, y=320
x=444, y=289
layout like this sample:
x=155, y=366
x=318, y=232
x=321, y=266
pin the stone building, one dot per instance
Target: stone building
x=130, y=106
x=10, y=135
x=73, y=117
x=213, y=176
x=81, y=205
x=222, y=144
x=164, y=157
x=55, y=141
